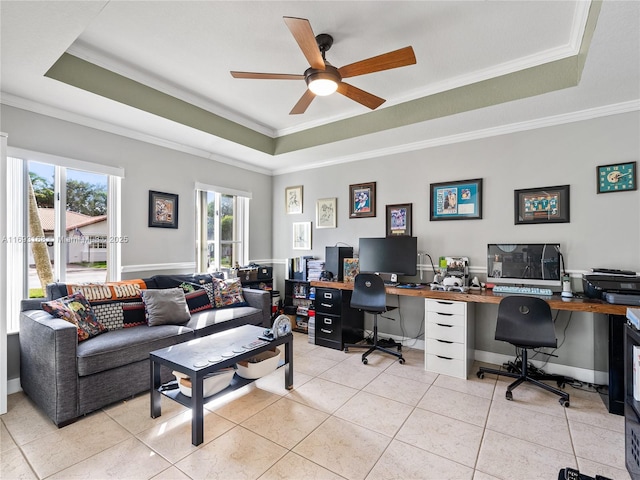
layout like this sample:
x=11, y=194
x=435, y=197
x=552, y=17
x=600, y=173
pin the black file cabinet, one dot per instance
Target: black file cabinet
x=336, y=322
x=631, y=406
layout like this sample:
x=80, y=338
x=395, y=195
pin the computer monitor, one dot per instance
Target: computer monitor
x=535, y=264
x=397, y=255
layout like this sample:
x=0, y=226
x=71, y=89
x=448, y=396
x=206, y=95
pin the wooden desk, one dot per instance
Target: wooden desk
x=616, y=314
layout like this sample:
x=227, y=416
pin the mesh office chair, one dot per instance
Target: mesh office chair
x=526, y=323
x=369, y=295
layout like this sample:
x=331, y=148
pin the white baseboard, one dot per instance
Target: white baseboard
x=13, y=386
x=581, y=374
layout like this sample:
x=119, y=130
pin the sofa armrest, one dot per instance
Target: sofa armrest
x=48, y=373
x=260, y=299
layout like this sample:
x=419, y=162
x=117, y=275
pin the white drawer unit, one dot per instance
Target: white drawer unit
x=449, y=337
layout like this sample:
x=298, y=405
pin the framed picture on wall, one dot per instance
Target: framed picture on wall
x=302, y=236
x=163, y=210
x=293, y=199
x=459, y=200
x=362, y=200
x=617, y=177
x=542, y=205
x=326, y=213
x=399, y=220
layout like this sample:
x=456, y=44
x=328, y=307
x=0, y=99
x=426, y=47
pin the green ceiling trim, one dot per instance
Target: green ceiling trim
x=92, y=78
x=529, y=82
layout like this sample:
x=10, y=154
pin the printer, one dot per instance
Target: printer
x=613, y=286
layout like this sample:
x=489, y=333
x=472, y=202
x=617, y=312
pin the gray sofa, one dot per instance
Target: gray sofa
x=68, y=379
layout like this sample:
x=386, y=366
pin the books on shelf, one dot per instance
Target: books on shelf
x=314, y=269
x=351, y=269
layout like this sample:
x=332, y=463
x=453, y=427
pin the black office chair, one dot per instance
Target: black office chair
x=369, y=295
x=526, y=323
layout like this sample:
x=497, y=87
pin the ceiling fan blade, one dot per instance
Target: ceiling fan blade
x=365, y=98
x=386, y=61
x=303, y=103
x=267, y=76
x=302, y=32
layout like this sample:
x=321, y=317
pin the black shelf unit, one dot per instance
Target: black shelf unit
x=631, y=406
x=298, y=300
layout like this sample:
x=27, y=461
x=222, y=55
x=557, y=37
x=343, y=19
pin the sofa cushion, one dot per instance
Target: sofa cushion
x=228, y=293
x=122, y=347
x=166, y=306
x=77, y=310
x=211, y=321
x=198, y=300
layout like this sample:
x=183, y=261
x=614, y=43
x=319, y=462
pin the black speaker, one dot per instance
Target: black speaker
x=334, y=260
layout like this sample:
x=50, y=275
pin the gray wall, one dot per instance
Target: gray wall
x=604, y=230
x=147, y=167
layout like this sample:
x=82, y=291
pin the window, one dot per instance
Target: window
x=222, y=228
x=76, y=211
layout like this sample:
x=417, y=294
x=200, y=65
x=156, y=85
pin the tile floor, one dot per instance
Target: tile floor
x=343, y=420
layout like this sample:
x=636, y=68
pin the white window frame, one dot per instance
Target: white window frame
x=241, y=212
x=14, y=276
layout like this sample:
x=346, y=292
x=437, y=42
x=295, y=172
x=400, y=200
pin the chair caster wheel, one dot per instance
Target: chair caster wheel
x=480, y=375
x=560, y=384
x=564, y=402
x=365, y=361
x=346, y=349
x=401, y=361
x=508, y=395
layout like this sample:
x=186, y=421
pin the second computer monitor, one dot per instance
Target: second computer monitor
x=397, y=255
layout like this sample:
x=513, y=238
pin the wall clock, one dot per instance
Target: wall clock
x=617, y=177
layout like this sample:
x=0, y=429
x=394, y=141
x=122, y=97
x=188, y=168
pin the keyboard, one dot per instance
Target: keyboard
x=391, y=284
x=522, y=290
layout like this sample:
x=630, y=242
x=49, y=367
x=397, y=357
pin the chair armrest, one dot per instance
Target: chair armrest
x=48, y=374
x=260, y=299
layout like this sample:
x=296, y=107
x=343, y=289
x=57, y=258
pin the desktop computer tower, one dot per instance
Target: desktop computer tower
x=334, y=260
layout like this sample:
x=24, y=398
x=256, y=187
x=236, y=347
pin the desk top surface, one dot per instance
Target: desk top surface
x=556, y=302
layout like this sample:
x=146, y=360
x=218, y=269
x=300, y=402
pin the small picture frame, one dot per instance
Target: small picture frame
x=399, y=220
x=617, y=177
x=458, y=200
x=293, y=199
x=362, y=200
x=326, y=213
x=302, y=235
x=542, y=205
x=163, y=210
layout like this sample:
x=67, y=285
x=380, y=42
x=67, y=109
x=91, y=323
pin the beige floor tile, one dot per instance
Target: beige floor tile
x=354, y=375
x=171, y=473
x=238, y=454
x=478, y=475
x=134, y=414
x=13, y=466
x=73, y=443
x=444, y=436
x=274, y=382
x=322, y=395
x=405, y=462
x=329, y=354
x=534, y=427
x=377, y=360
x=242, y=403
x=285, y=422
x=587, y=467
x=588, y=407
x=24, y=420
x=458, y=405
x=172, y=438
x=344, y=448
x=598, y=444
x=472, y=385
x=397, y=388
x=376, y=413
x=310, y=365
x=529, y=396
x=295, y=467
x=413, y=370
x=508, y=457
x=301, y=346
x=130, y=459
x=6, y=442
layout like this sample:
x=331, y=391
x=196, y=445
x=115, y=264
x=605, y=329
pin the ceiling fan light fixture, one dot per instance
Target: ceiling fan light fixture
x=323, y=82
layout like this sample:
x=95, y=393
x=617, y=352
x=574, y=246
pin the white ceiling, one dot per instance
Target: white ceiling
x=187, y=48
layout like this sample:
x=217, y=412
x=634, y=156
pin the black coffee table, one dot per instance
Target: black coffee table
x=199, y=357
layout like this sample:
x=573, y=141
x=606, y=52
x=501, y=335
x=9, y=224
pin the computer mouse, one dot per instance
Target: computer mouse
x=411, y=285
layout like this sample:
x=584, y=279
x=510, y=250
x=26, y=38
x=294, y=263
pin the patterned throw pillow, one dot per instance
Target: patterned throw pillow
x=198, y=301
x=229, y=293
x=77, y=310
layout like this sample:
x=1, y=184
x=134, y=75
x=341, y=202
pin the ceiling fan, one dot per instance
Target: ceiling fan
x=323, y=78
